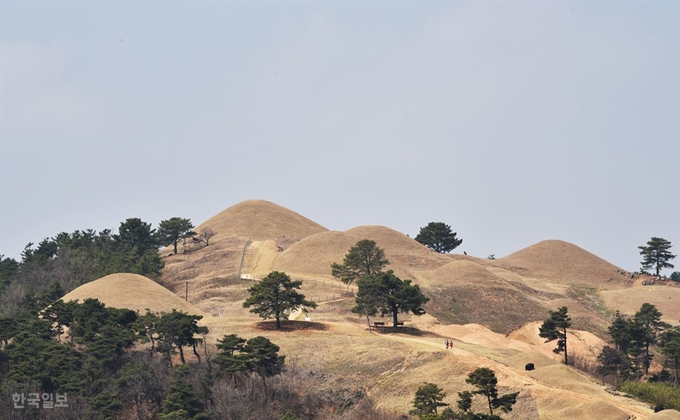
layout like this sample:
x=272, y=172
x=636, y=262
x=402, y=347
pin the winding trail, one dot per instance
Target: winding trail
x=520, y=379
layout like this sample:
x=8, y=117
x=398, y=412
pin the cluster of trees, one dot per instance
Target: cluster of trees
x=378, y=292
x=430, y=397
x=69, y=260
x=97, y=366
x=634, y=342
x=117, y=363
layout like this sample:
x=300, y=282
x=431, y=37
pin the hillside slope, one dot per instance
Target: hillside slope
x=464, y=292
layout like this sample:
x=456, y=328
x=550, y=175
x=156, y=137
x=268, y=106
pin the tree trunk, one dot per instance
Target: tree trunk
x=196, y=353
x=394, y=317
x=647, y=361
x=175, y=248
x=490, y=407
x=566, y=359
x=181, y=355
x=278, y=322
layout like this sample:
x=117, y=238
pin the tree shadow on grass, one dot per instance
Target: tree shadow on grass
x=404, y=330
x=287, y=325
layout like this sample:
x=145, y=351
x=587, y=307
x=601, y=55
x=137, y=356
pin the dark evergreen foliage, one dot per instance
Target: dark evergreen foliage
x=363, y=259
x=656, y=254
x=275, y=295
x=438, y=237
x=555, y=328
x=174, y=230
x=429, y=397
x=386, y=293
x=670, y=347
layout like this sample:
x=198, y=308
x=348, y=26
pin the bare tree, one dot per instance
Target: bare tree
x=204, y=236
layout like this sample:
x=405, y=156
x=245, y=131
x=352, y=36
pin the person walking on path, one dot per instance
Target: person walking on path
x=447, y=344
x=451, y=344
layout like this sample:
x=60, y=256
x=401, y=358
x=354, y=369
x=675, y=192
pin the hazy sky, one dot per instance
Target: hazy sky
x=513, y=122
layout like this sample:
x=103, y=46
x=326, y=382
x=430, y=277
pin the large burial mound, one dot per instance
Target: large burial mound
x=132, y=291
x=313, y=255
x=260, y=220
x=563, y=262
x=401, y=250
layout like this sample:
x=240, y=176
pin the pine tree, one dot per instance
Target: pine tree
x=363, y=259
x=649, y=319
x=670, y=347
x=656, y=254
x=274, y=295
x=555, y=328
x=388, y=294
x=174, y=230
x=609, y=360
x=438, y=237
x=428, y=399
x=484, y=379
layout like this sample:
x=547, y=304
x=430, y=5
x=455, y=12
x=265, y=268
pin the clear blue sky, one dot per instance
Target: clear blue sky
x=513, y=122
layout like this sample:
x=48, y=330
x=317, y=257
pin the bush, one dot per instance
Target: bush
x=658, y=394
x=675, y=276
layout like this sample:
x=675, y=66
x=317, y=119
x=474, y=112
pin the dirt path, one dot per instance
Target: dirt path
x=550, y=398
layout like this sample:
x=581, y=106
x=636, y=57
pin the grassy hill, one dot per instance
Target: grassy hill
x=490, y=308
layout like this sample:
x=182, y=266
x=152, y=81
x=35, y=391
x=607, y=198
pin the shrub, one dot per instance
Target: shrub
x=658, y=394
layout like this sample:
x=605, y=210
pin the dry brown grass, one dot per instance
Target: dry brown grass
x=313, y=255
x=562, y=262
x=260, y=220
x=502, y=309
x=400, y=250
x=665, y=415
x=593, y=410
x=220, y=259
x=628, y=301
x=502, y=295
x=465, y=272
x=134, y=292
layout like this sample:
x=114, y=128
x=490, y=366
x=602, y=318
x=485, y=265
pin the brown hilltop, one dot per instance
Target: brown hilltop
x=261, y=220
x=132, y=291
x=563, y=262
x=401, y=250
x=314, y=254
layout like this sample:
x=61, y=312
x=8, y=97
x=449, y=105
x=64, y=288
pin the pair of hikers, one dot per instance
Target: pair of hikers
x=449, y=344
